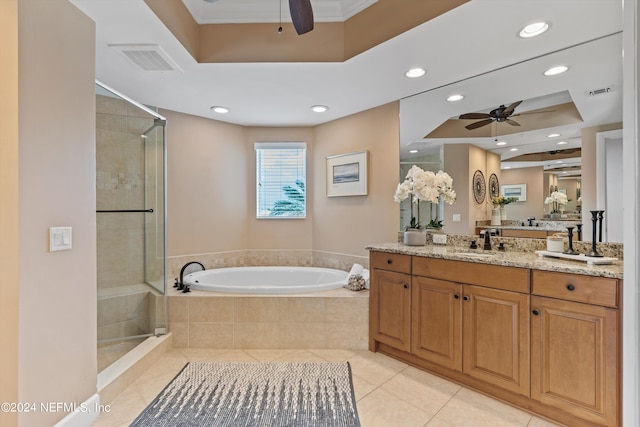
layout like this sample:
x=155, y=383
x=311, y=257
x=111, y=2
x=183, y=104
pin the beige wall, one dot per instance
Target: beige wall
x=9, y=214
x=57, y=301
x=212, y=199
x=461, y=161
x=571, y=186
x=208, y=176
x=589, y=172
x=348, y=224
x=536, y=193
x=278, y=233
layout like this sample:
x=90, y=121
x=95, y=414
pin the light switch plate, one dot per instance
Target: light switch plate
x=456, y=217
x=60, y=239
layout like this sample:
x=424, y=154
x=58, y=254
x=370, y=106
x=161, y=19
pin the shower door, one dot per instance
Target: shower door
x=130, y=218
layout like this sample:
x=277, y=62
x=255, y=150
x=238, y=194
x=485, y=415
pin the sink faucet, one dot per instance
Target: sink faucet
x=531, y=219
x=487, y=240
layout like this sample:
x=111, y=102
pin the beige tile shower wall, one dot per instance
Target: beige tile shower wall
x=120, y=185
x=280, y=322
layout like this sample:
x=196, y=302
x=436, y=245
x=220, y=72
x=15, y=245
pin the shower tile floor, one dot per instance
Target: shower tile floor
x=388, y=392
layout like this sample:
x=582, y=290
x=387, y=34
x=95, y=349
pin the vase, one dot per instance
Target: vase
x=415, y=237
x=495, y=216
x=503, y=213
x=555, y=215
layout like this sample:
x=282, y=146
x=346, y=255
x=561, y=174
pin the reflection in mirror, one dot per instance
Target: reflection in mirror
x=547, y=142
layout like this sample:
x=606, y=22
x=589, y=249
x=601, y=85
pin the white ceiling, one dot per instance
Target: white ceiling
x=478, y=38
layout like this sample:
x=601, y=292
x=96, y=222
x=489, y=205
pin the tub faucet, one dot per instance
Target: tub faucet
x=487, y=240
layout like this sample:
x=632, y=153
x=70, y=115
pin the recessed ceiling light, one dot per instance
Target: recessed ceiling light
x=319, y=108
x=562, y=143
x=413, y=151
x=553, y=135
x=414, y=73
x=513, y=149
x=220, y=110
x=454, y=98
x=501, y=143
x=533, y=30
x=554, y=71
x=564, y=172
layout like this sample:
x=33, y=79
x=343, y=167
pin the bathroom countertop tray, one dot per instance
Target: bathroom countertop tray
x=581, y=257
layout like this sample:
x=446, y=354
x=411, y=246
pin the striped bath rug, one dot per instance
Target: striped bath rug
x=256, y=394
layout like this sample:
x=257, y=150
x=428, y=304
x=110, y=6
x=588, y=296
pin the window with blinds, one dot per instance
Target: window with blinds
x=281, y=177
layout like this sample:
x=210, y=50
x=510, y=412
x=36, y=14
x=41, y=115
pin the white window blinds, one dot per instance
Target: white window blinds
x=281, y=179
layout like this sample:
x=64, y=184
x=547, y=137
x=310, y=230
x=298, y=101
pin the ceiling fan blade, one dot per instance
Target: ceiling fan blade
x=479, y=124
x=512, y=122
x=301, y=15
x=509, y=110
x=474, y=116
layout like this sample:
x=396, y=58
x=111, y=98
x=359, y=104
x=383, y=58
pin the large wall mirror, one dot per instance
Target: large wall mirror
x=547, y=141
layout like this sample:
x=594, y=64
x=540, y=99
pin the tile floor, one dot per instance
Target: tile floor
x=389, y=393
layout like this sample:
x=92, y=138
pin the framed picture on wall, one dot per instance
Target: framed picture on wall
x=347, y=174
x=514, y=190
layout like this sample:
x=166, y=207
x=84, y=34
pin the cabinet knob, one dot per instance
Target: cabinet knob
x=406, y=286
x=389, y=261
x=571, y=287
x=456, y=296
x=466, y=298
x=535, y=312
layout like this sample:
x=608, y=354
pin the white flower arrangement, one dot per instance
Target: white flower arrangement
x=557, y=199
x=427, y=186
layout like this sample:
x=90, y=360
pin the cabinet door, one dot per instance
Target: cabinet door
x=390, y=308
x=496, y=337
x=436, y=329
x=574, y=358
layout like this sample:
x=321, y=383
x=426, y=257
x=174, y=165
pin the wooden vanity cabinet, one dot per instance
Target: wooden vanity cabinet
x=545, y=341
x=390, y=300
x=480, y=331
x=574, y=362
x=436, y=321
x=496, y=337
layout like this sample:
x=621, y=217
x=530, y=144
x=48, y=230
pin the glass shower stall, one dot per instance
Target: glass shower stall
x=131, y=223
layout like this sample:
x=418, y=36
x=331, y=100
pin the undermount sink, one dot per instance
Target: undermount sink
x=476, y=254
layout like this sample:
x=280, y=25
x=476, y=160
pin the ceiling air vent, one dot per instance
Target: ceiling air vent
x=601, y=91
x=147, y=57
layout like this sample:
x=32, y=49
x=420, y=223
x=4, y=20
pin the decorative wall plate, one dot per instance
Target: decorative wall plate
x=479, y=186
x=494, y=186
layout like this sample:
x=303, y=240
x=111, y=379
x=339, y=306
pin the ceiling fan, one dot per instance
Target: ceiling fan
x=500, y=114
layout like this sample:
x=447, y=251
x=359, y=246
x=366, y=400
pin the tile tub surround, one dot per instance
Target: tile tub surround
x=336, y=319
x=265, y=257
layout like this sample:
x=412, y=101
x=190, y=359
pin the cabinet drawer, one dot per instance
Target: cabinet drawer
x=390, y=262
x=575, y=287
x=493, y=276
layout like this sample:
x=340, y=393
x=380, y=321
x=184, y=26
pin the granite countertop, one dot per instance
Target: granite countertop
x=509, y=258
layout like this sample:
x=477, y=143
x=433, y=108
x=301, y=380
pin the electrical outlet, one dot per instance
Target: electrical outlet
x=440, y=239
x=456, y=217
